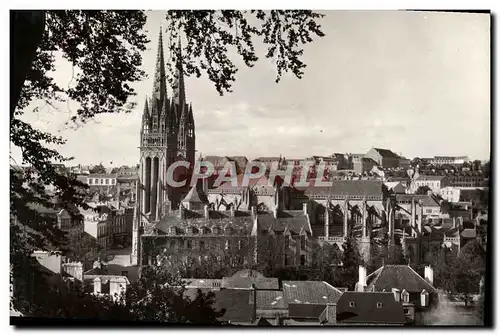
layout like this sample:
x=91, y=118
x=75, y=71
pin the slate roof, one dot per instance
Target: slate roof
x=365, y=309
x=193, y=196
x=262, y=181
x=295, y=221
x=245, y=283
x=217, y=161
x=235, y=302
x=306, y=311
x=386, y=153
x=427, y=200
x=468, y=233
x=269, y=300
x=310, y=292
x=370, y=188
x=242, y=222
x=397, y=276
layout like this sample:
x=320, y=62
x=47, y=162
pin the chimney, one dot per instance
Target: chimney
x=304, y=207
x=231, y=210
x=254, y=309
x=182, y=211
x=397, y=294
x=429, y=274
x=362, y=279
x=207, y=213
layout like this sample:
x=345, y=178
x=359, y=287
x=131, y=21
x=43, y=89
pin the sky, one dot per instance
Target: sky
x=417, y=83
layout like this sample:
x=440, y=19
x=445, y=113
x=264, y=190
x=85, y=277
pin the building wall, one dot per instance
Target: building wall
x=450, y=194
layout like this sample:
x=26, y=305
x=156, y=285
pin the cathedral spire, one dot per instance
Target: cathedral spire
x=179, y=89
x=159, y=84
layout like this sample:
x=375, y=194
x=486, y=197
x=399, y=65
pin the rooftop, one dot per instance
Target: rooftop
x=401, y=277
x=370, y=308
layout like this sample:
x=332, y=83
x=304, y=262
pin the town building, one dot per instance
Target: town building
x=416, y=295
x=384, y=157
x=450, y=193
x=449, y=160
x=363, y=164
x=167, y=135
x=369, y=309
x=435, y=183
x=249, y=297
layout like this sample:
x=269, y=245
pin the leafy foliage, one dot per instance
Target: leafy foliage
x=423, y=190
x=104, y=48
x=210, y=34
x=98, y=169
x=351, y=261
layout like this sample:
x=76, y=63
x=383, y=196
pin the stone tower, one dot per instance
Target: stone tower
x=166, y=135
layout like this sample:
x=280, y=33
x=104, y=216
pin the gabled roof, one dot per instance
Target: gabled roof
x=295, y=221
x=193, y=196
x=310, y=292
x=241, y=221
x=245, y=283
x=401, y=277
x=306, y=311
x=386, y=153
x=365, y=308
x=269, y=300
x=348, y=187
x=427, y=200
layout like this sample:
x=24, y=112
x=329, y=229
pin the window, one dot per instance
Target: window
x=287, y=260
x=189, y=244
x=90, y=181
x=303, y=242
x=102, y=181
x=228, y=244
x=287, y=242
x=189, y=230
x=172, y=244
x=202, y=245
x=302, y=259
x=113, y=181
x=352, y=304
x=379, y=305
x=406, y=311
x=107, y=181
x=240, y=245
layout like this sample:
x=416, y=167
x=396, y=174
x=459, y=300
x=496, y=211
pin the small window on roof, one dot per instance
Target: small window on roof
x=352, y=304
x=379, y=305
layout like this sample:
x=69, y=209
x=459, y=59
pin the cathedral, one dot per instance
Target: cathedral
x=167, y=135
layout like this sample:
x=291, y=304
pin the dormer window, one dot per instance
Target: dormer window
x=287, y=241
x=379, y=305
x=172, y=231
x=189, y=230
x=405, y=296
x=352, y=304
x=228, y=230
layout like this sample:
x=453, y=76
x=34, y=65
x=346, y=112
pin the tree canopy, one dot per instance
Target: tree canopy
x=104, y=48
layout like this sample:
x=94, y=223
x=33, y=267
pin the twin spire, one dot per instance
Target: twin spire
x=174, y=112
x=160, y=83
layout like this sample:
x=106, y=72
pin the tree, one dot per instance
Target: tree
x=98, y=169
x=160, y=296
x=105, y=47
x=351, y=261
x=461, y=276
x=423, y=189
x=115, y=170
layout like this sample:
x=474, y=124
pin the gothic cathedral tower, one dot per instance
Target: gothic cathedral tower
x=167, y=135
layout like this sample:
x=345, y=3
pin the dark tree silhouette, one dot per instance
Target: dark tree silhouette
x=351, y=261
x=105, y=46
x=423, y=190
x=98, y=169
